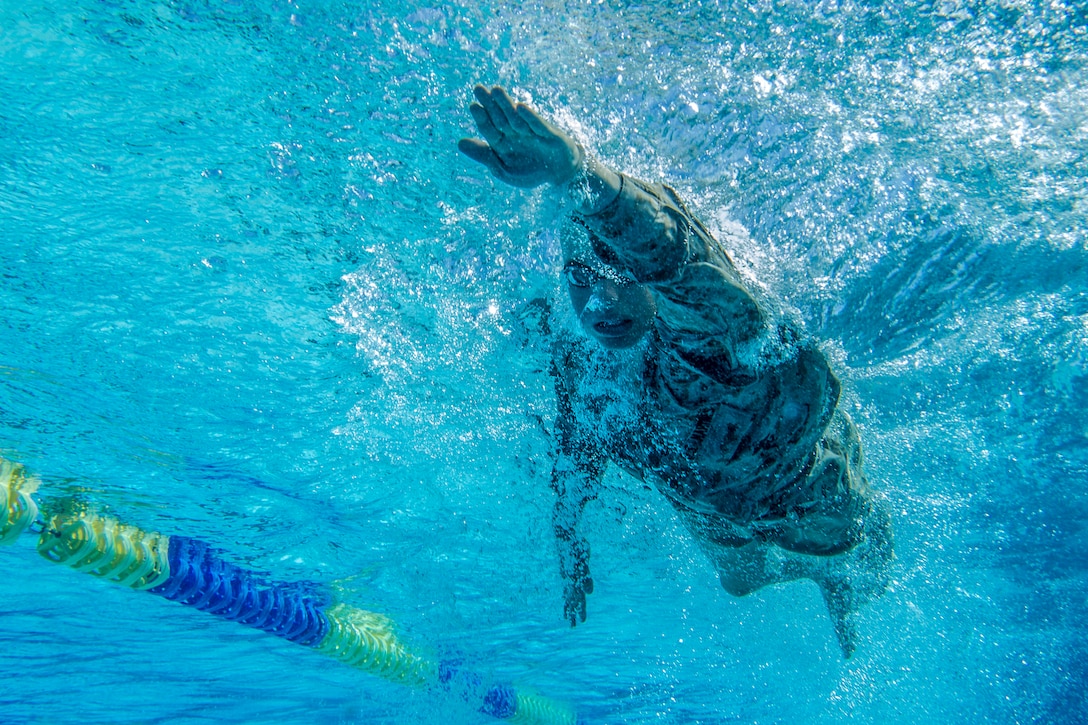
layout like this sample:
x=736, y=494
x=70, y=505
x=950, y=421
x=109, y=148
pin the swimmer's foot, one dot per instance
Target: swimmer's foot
x=839, y=597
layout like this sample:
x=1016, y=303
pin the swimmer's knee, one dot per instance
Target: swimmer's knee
x=738, y=586
x=838, y=527
x=830, y=537
x=742, y=570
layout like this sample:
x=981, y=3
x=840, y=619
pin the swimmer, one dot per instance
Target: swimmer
x=686, y=381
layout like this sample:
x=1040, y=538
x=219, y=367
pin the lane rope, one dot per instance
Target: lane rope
x=192, y=573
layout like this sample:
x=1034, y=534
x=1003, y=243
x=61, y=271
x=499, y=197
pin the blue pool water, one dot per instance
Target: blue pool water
x=251, y=294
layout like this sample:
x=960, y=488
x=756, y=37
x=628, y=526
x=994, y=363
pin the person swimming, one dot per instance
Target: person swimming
x=686, y=381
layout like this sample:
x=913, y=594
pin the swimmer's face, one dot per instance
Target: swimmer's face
x=613, y=309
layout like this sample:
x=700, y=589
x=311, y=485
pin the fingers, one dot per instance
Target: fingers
x=477, y=150
x=509, y=109
x=481, y=153
x=533, y=121
x=489, y=115
x=486, y=123
x=500, y=111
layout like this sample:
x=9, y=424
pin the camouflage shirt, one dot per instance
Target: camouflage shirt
x=719, y=408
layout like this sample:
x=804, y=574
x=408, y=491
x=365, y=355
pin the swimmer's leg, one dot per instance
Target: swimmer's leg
x=745, y=569
x=843, y=609
x=756, y=565
x=847, y=581
x=856, y=577
x=848, y=531
x=744, y=564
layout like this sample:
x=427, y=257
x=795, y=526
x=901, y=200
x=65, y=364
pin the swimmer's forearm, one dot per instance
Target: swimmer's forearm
x=573, y=568
x=593, y=187
x=644, y=229
x=653, y=237
x=574, y=483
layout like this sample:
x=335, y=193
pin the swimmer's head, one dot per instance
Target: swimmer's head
x=613, y=308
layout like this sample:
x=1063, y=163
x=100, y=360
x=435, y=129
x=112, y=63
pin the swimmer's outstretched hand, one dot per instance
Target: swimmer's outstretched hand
x=520, y=147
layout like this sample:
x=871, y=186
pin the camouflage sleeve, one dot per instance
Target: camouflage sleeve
x=705, y=313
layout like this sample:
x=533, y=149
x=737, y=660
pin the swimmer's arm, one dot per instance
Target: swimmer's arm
x=574, y=484
x=704, y=308
x=643, y=229
x=576, y=475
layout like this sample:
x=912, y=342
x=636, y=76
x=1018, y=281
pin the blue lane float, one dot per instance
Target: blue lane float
x=200, y=579
x=191, y=573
